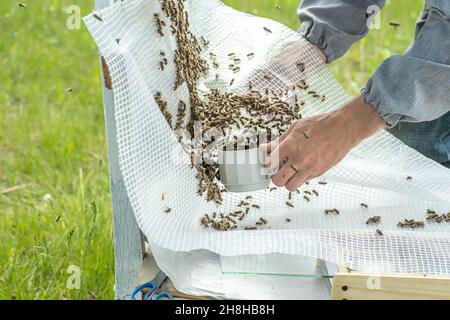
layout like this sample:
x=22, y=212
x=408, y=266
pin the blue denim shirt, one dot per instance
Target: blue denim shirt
x=413, y=88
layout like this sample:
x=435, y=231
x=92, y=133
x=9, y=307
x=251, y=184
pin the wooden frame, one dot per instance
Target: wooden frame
x=129, y=244
x=351, y=285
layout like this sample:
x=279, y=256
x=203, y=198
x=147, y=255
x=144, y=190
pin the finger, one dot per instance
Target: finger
x=268, y=147
x=278, y=155
x=297, y=180
x=282, y=177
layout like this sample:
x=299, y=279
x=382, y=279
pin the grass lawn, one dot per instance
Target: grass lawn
x=53, y=141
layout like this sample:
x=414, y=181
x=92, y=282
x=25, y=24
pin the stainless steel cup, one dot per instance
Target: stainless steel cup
x=243, y=170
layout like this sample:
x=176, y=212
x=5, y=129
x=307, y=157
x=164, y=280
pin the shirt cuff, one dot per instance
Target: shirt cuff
x=371, y=96
x=334, y=43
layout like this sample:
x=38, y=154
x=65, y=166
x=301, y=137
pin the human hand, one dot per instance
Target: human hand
x=313, y=145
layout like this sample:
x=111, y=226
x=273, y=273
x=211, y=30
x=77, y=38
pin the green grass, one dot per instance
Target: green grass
x=54, y=142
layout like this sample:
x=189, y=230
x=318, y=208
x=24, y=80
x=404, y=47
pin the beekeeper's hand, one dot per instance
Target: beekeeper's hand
x=313, y=145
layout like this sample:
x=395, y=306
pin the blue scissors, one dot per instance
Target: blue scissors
x=153, y=285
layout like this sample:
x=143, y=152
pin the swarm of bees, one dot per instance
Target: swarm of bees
x=411, y=223
x=433, y=216
x=228, y=222
x=162, y=104
x=159, y=24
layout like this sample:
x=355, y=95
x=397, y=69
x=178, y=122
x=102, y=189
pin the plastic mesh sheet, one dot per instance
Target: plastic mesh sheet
x=154, y=163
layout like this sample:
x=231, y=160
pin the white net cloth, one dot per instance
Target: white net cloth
x=375, y=173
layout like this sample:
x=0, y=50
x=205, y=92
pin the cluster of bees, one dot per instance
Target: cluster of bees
x=433, y=216
x=411, y=223
x=231, y=221
x=162, y=104
x=307, y=194
x=332, y=211
x=160, y=24
x=234, y=62
x=163, y=63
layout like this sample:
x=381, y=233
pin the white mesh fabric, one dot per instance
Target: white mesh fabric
x=374, y=173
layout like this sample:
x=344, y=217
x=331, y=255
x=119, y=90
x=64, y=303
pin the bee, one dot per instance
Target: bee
x=163, y=196
x=305, y=135
x=272, y=189
x=290, y=196
x=22, y=5
x=168, y=210
x=323, y=98
x=268, y=77
x=289, y=204
x=58, y=218
x=267, y=30
x=204, y=222
x=250, y=228
x=301, y=66
x=161, y=65
x=263, y=221
x=231, y=54
x=378, y=232
x=231, y=82
x=323, y=182
x=307, y=192
x=288, y=220
x=96, y=16
x=236, y=69
x=306, y=198
x=206, y=43
x=408, y=178
x=68, y=90
x=256, y=206
x=250, y=55
x=162, y=53
x=250, y=85
x=230, y=219
x=248, y=197
x=373, y=220
x=364, y=205
x=394, y=24
x=277, y=7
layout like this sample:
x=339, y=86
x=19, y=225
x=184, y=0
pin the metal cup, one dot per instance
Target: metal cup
x=243, y=170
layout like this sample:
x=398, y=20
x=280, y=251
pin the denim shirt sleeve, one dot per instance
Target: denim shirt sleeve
x=335, y=25
x=415, y=87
